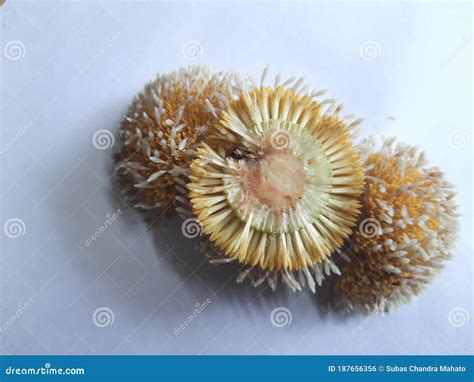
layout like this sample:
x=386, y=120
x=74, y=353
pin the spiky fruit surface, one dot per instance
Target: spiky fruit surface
x=407, y=227
x=277, y=186
x=161, y=129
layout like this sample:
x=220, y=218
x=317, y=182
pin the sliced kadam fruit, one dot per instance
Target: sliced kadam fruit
x=161, y=130
x=406, y=230
x=276, y=184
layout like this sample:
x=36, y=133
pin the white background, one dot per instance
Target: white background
x=80, y=64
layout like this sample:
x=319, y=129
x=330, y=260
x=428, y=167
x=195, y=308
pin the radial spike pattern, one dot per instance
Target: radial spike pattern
x=406, y=230
x=276, y=186
x=161, y=130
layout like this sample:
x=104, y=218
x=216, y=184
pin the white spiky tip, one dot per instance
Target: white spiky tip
x=405, y=233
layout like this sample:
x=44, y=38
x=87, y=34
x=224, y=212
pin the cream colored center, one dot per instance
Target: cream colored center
x=277, y=180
